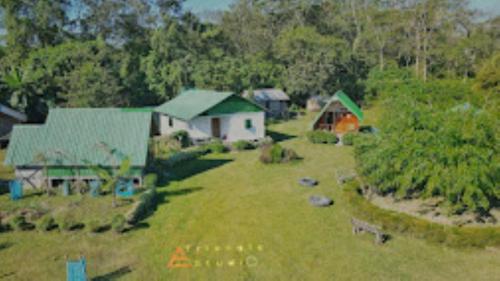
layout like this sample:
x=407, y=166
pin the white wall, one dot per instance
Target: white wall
x=232, y=126
x=36, y=176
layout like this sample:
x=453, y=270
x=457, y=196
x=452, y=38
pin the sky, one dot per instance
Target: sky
x=197, y=6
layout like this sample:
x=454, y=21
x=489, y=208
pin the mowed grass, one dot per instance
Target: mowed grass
x=219, y=203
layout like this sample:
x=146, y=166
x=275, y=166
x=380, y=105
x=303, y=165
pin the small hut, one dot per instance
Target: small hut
x=275, y=101
x=339, y=115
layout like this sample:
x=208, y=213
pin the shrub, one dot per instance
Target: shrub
x=150, y=180
x=215, y=146
x=265, y=141
x=181, y=136
x=18, y=222
x=141, y=208
x=182, y=156
x=277, y=154
x=348, y=138
x=46, y=223
x=289, y=155
x=265, y=154
x=118, y=223
x=321, y=137
x=67, y=223
x=242, y=145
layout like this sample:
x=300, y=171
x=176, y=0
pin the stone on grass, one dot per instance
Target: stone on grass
x=309, y=182
x=320, y=201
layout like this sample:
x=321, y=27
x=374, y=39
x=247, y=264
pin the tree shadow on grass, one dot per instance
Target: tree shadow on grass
x=190, y=168
x=279, y=137
x=114, y=275
x=5, y=245
x=162, y=196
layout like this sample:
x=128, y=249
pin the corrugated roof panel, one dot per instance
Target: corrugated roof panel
x=268, y=95
x=80, y=136
x=192, y=103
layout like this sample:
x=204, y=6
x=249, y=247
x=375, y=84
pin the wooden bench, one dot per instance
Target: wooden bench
x=360, y=226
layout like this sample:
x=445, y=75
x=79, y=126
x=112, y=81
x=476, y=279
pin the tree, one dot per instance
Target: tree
x=310, y=60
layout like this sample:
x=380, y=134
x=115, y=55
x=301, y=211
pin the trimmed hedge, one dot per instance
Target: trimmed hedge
x=321, y=137
x=393, y=221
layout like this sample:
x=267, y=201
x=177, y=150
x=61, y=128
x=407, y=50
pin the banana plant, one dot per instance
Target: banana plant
x=112, y=176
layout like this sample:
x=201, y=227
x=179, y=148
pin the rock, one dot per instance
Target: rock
x=320, y=201
x=309, y=182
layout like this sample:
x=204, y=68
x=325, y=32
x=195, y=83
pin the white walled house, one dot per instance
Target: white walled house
x=209, y=114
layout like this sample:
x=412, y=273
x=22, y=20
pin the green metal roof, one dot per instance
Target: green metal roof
x=82, y=136
x=345, y=101
x=192, y=103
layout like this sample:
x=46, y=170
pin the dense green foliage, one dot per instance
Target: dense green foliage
x=182, y=137
x=275, y=153
x=453, y=236
x=136, y=52
x=434, y=141
x=348, y=138
x=318, y=136
x=214, y=146
x=242, y=145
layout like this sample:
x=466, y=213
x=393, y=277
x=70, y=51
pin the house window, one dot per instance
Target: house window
x=248, y=124
x=170, y=122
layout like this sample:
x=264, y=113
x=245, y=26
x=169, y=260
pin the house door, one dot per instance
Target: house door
x=216, y=127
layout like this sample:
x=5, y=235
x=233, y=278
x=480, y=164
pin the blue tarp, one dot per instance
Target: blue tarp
x=95, y=186
x=16, y=189
x=76, y=270
x=125, y=188
x=65, y=188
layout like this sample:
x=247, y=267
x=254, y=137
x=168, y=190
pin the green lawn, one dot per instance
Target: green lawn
x=232, y=200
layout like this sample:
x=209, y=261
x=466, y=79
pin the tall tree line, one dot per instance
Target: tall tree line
x=76, y=53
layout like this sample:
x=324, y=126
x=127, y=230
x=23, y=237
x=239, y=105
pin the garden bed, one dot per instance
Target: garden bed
x=402, y=223
x=431, y=210
x=73, y=209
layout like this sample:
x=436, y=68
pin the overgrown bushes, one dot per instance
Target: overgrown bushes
x=182, y=137
x=348, y=138
x=185, y=155
x=242, y=145
x=405, y=224
x=18, y=222
x=215, y=146
x=46, y=223
x=277, y=154
x=68, y=223
x=423, y=151
x=319, y=136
